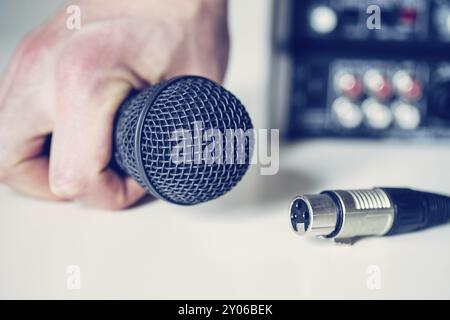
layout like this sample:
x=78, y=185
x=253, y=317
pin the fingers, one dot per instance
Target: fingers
x=25, y=120
x=81, y=150
x=89, y=94
x=205, y=55
x=102, y=190
x=95, y=69
x=31, y=178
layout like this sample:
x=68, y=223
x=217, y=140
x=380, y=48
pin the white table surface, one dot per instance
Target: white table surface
x=241, y=245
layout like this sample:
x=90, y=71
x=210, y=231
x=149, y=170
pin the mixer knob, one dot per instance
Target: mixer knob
x=348, y=84
x=348, y=114
x=323, y=19
x=406, y=86
x=377, y=84
x=406, y=115
x=378, y=115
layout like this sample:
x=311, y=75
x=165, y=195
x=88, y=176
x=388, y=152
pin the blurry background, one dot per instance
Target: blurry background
x=368, y=68
x=241, y=245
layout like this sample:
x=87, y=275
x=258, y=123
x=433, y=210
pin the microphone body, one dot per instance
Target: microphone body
x=144, y=141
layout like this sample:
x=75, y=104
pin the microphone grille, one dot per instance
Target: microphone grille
x=145, y=144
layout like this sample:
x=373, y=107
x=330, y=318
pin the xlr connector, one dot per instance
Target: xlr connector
x=344, y=215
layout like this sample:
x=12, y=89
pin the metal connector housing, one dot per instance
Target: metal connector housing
x=343, y=214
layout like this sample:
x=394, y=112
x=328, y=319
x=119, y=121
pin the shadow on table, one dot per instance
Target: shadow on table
x=257, y=192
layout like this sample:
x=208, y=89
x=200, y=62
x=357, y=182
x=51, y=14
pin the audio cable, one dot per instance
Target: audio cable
x=346, y=215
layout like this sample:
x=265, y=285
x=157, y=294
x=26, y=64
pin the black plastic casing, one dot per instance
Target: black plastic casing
x=416, y=210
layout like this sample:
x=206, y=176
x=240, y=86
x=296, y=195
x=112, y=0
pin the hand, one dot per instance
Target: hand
x=69, y=83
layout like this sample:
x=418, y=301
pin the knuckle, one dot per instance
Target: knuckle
x=68, y=185
x=32, y=54
x=82, y=54
x=32, y=48
x=75, y=62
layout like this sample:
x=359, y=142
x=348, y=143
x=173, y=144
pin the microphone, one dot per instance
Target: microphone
x=144, y=141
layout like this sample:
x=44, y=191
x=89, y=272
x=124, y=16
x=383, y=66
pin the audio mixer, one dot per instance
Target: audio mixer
x=335, y=75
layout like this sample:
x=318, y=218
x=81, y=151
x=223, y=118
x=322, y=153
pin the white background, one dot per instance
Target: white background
x=241, y=245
